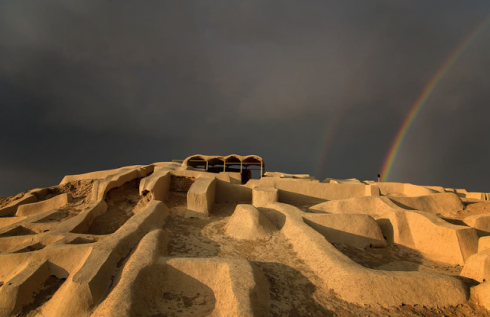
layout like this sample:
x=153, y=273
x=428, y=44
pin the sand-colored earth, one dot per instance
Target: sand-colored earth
x=278, y=246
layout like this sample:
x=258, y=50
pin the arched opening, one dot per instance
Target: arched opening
x=232, y=163
x=197, y=161
x=253, y=168
x=249, y=167
x=215, y=165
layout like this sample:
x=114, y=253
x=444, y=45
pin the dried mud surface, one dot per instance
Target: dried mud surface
x=177, y=202
x=181, y=183
x=294, y=288
x=188, y=298
x=78, y=189
x=81, y=192
x=396, y=258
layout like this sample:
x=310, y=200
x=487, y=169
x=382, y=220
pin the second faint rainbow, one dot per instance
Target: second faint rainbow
x=426, y=93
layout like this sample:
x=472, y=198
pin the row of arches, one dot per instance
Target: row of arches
x=214, y=163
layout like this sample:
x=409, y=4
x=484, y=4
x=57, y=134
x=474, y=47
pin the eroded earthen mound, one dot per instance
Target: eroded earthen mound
x=171, y=239
x=248, y=223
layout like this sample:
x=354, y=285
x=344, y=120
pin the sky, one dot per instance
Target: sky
x=315, y=86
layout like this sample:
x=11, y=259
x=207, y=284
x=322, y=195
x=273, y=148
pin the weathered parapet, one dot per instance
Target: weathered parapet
x=350, y=280
x=444, y=203
x=249, y=296
x=45, y=205
x=423, y=231
x=264, y=196
x=167, y=165
x=478, y=267
x=125, y=298
x=229, y=177
x=7, y=221
x=200, y=197
x=157, y=184
x=436, y=189
x=193, y=174
x=411, y=190
x=312, y=191
x=341, y=181
x=371, y=190
x=100, y=188
x=430, y=235
x=483, y=243
x=479, y=196
x=354, y=229
x=18, y=244
x=88, y=285
x=481, y=293
x=30, y=197
x=469, y=196
x=406, y=189
x=11, y=208
x=294, y=188
x=228, y=192
x=96, y=175
x=461, y=192
x=369, y=205
x=306, y=177
x=480, y=222
x=232, y=177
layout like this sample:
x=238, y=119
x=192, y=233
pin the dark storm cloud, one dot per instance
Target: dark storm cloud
x=88, y=85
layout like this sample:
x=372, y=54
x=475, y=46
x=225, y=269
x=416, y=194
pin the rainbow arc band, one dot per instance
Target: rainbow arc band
x=426, y=93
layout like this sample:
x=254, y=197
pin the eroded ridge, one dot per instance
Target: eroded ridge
x=201, y=238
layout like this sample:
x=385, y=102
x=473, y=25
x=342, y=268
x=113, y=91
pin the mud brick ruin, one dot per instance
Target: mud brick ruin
x=201, y=237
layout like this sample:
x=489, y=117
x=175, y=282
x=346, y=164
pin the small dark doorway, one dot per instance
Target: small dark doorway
x=246, y=175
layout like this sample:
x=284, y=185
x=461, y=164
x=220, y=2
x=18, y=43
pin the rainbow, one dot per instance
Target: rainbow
x=426, y=93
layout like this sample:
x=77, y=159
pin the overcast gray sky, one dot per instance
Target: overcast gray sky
x=318, y=87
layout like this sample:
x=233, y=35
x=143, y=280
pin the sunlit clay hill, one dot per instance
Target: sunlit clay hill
x=202, y=237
